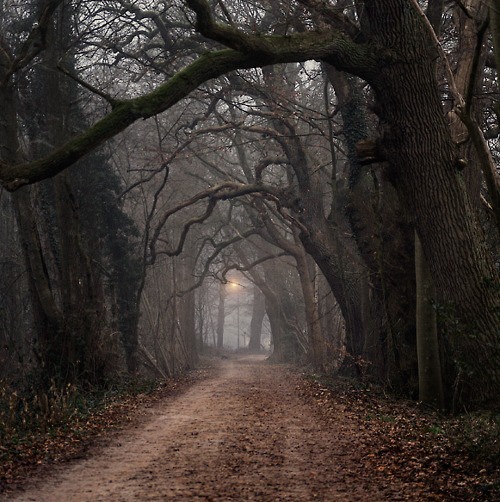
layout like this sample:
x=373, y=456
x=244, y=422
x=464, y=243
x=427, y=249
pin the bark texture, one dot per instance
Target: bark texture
x=221, y=315
x=430, y=382
x=417, y=143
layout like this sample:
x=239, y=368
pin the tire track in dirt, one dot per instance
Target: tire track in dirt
x=243, y=434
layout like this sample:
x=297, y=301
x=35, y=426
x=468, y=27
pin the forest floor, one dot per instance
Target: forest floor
x=252, y=430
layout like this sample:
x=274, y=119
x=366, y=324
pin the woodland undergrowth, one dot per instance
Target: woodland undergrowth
x=457, y=455
x=39, y=428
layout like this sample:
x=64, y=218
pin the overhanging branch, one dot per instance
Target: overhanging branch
x=224, y=191
x=332, y=46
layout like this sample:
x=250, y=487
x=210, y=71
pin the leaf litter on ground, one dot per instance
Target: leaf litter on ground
x=458, y=456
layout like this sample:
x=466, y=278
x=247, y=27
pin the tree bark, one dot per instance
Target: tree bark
x=334, y=259
x=47, y=315
x=495, y=32
x=279, y=311
x=430, y=382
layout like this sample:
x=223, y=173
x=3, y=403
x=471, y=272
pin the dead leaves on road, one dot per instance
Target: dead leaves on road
x=400, y=442
x=23, y=456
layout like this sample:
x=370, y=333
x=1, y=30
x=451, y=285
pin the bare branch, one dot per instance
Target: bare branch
x=266, y=162
x=249, y=266
x=224, y=191
x=218, y=248
x=112, y=101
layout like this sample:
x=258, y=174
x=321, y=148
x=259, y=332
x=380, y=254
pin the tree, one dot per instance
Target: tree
x=69, y=224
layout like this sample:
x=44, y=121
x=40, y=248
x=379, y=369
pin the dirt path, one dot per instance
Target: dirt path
x=243, y=434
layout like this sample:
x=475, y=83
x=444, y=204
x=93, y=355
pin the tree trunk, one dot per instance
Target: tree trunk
x=333, y=259
x=316, y=344
x=75, y=287
x=468, y=74
x=187, y=311
x=430, y=382
x=221, y=315
x=323, y=239
x=258, y=313
x=46, y=314
x=277, y=303
x=48, y=319
x=384, y=239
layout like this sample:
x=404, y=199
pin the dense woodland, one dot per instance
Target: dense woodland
x=320, y=177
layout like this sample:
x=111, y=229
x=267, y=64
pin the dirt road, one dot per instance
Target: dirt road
x=243, y=434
